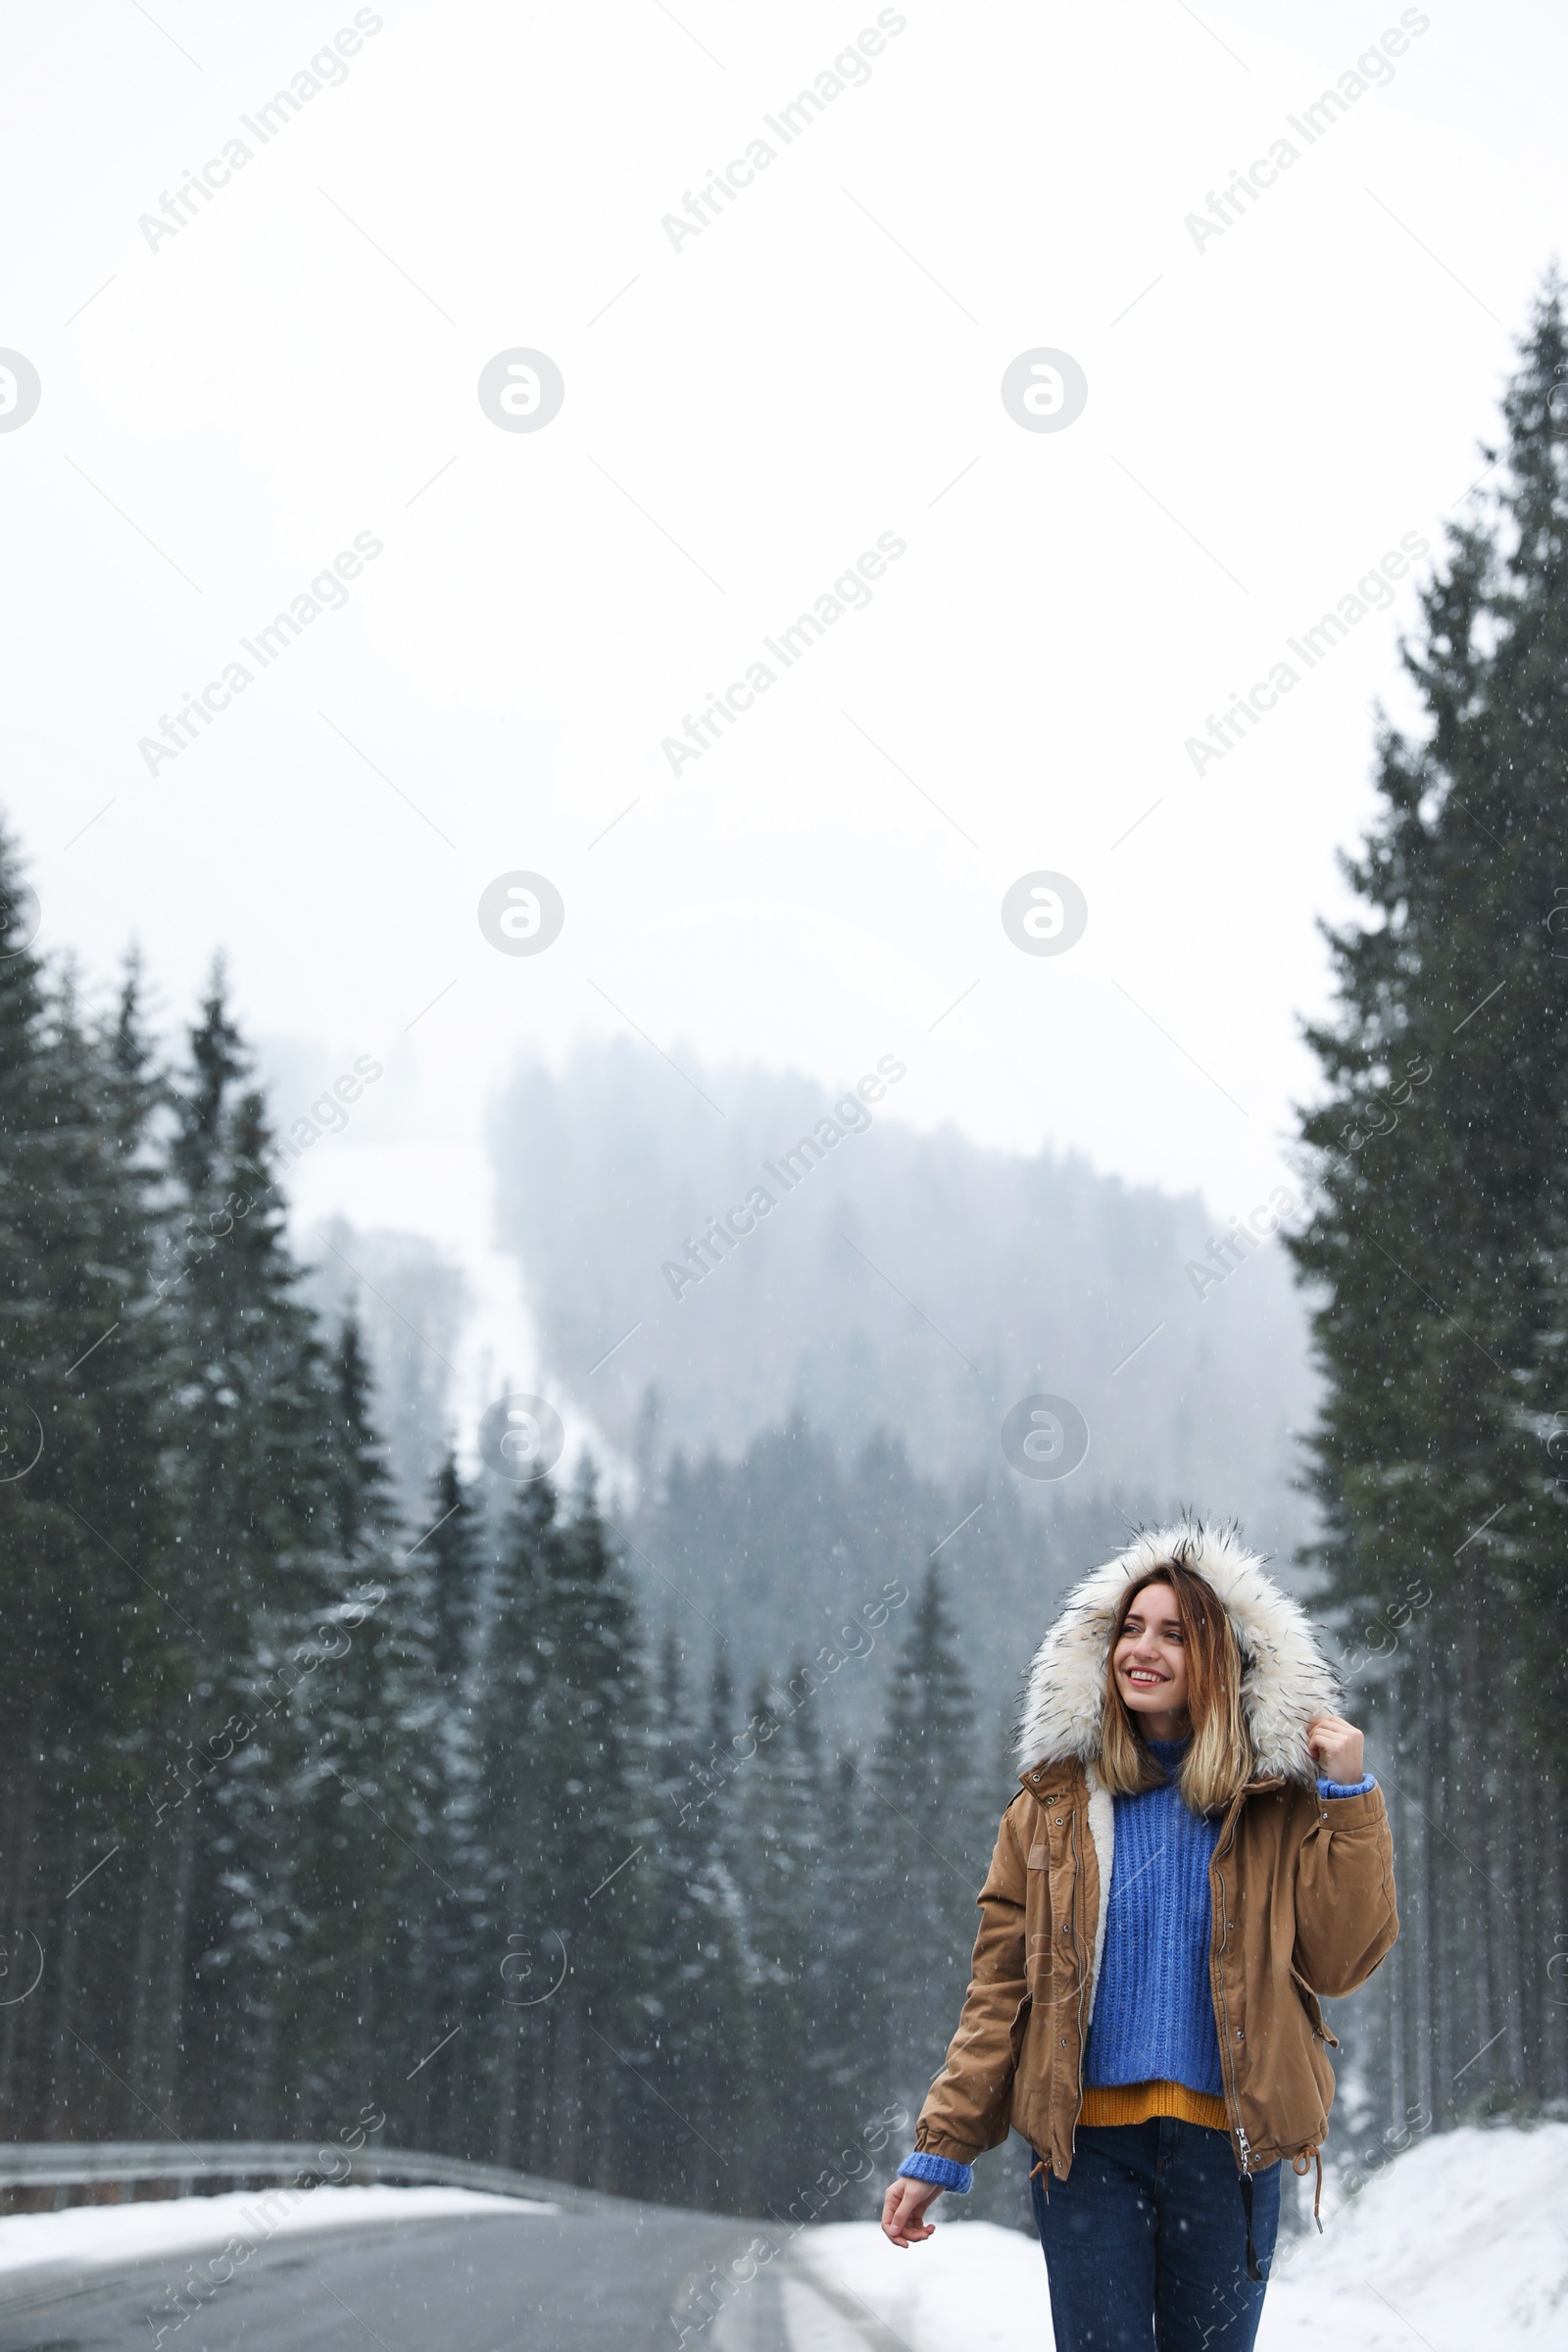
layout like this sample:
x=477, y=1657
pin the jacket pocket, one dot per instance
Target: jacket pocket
x=1313, y=2007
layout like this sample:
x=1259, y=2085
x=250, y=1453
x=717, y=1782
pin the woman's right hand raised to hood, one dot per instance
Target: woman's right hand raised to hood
x=903, y=2211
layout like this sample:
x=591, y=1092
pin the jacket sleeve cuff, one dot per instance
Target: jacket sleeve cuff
x=945, y=2170
x=1361, y=1788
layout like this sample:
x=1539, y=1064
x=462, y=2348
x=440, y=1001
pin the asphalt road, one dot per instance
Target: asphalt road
x=603, y=2281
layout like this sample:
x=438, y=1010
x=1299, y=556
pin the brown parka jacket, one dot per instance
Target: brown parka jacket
x=1302, y=1888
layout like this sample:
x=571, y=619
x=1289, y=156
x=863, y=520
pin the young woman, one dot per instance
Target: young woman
x=1195, y=1857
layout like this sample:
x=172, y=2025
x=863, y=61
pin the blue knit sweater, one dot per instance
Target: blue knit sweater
x=1153, y=2018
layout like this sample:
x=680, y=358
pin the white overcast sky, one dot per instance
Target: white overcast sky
x=1266, y=418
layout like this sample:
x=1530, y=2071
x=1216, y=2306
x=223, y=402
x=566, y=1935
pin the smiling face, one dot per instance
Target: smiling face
x=1150, y=1663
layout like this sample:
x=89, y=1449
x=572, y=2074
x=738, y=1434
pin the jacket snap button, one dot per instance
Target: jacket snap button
x=1064, y=2041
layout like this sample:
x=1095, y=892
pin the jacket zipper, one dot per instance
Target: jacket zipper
x=1242, y=2140
x=1083, y=1979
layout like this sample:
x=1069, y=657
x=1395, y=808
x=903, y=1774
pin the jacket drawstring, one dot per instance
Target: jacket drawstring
x=1299, y=2167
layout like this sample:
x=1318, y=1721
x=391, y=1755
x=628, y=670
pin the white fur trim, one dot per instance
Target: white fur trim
x=1102, y=1830
x=1286, y=1679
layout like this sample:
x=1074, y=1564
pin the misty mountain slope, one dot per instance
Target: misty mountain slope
x=411, y=1304
x=921, y=1284
x=792, y=1554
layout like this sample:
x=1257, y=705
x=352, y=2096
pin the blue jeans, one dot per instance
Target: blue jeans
x=1146, y=2241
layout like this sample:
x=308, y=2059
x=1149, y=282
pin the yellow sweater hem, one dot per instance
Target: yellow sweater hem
x=1106, y=2104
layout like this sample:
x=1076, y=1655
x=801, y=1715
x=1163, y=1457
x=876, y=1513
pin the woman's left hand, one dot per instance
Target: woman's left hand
x=1336, y=1747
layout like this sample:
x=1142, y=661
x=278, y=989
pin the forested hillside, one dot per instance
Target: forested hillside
x=308, y=1813
x=777, y=1550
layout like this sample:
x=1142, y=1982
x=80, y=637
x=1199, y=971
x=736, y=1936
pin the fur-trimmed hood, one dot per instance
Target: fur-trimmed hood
x=1286, y=1679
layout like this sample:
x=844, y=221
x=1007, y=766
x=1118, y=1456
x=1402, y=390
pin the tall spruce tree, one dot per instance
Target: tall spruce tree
x=564, y=1820
x=926, y=1780
x=440, y=1583
x=1435, y=1256
x=515, y=1928
x=696, y=2016
x=248, y=1470
x=360, y=1881
x=590, y=1757
x=779, y=1806
x=90, y=1634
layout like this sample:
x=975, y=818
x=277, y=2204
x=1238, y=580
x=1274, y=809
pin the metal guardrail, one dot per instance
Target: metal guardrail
x=203, y=2167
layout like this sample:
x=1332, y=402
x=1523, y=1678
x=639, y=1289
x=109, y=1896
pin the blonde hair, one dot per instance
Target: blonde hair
x=1219, y=1760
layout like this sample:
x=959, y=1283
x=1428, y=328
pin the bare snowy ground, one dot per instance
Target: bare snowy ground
x=1464, y=2242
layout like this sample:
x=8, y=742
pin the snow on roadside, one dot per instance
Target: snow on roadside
x=94, y=2236
x=1463, y=2241
x=974, y=2287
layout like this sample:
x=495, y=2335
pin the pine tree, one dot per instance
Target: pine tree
x=848, y=1972
x=441, y=1597
x=1437, y=1250
x=928, y=1787
x=523, y=1945
x=452, y=1550
x=779, y=1803
x=249, y=1470
x=696, y=2016
x=359, y=1478
x=589, y=1721
x=143, y=1657
x=362, y=1884
x=88, y=1628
